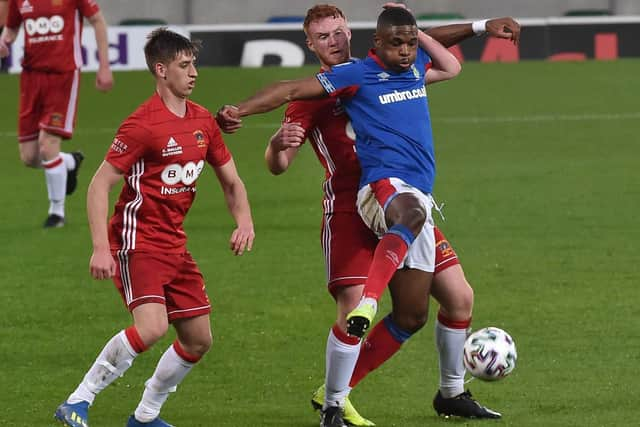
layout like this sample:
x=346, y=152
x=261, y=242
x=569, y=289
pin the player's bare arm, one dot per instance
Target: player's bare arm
x=502, y=28
x=449, y=35
x=277, y=94
x=283, y=147
x=8, y=36
x=445, y=65
x=235, y=194
x=104, y=77
x=101, y=264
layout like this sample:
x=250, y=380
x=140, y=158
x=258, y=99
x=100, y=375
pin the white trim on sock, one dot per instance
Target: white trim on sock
x=56, y=179
x=68, y=160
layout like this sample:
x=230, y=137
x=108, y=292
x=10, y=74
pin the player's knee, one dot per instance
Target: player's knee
x=415, y=218
x=30, y=159
x=411, y=322
x=152, y=333
x=407, y=210
x=461, y=306
x=49, y=146
x=204, y=344
x=199, y=345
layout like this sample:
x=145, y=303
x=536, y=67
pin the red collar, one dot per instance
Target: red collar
x=372, y=55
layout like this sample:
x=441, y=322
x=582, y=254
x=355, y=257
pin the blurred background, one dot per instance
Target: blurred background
x=537, y=148
x=249, y=11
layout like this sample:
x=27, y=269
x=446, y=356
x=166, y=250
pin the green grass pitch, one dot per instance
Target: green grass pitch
x=538, y=167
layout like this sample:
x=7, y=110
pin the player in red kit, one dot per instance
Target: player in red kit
x=159, y=150
x=3, y=17
x=348, y=244
x=49, y=86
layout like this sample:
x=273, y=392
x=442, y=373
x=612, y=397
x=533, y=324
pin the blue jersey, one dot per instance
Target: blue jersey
x=390, y=116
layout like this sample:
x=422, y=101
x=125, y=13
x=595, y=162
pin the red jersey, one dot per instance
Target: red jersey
x=162, y=156
x=52, y=31
x=328, y=127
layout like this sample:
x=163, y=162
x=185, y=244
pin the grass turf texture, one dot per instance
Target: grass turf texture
x=537, y=164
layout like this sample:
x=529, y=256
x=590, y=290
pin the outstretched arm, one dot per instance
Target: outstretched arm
x=503, y=28
x=449, y=35
x=277, y=94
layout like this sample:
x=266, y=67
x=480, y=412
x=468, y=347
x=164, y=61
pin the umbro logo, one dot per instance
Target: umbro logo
x=172, y=148
x=383, y=76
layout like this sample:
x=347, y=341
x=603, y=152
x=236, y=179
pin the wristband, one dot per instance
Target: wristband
x=479, y=27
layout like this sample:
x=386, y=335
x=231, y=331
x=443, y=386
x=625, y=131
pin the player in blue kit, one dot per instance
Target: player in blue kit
x=385, y=97
x=387, y=78
x=394, y=145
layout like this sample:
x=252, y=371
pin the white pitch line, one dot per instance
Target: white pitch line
x=470, y=120
x=540, y=118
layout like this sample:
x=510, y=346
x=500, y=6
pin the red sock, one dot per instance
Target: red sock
x=453, y=324
x=388, y=255
x=379, y=346
x=134, y=339
x=191, y=358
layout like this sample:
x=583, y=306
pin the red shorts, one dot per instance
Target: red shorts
x=170, y=279
x=445, y=254
x=48, y=101
x=348, y=246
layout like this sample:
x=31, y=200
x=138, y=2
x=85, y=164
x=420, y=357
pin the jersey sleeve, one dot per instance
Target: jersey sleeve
x=423, y=58
x=343, y=79
x=300, y=112
x=217, y=152
x=128, y=146
x=88, y=8
x=14, y=19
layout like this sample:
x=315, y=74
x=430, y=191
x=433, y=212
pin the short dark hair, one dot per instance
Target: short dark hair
x=395, y=16
x=164, y=45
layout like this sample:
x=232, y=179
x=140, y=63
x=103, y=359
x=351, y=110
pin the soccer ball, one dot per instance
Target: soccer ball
x=490, y=354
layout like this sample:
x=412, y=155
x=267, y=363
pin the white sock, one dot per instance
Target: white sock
x=450, y=344
x=170, y=372
x=341, y=358
x=56, y=178
x=116, y=357
x=69, y=161
x=370, y=301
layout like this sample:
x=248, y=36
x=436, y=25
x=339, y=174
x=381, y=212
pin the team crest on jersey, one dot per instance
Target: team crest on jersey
x=56, y=120
x=199, y=135
x=56, y=3
x=26, y=7
x=445, y=248
x=416, y=73
x=172, y=148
